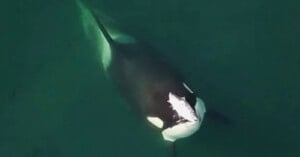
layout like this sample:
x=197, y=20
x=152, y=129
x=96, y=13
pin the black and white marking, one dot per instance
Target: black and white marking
x=147, y=80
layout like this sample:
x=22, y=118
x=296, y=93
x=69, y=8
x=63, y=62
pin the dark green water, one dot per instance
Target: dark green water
x=242, y=57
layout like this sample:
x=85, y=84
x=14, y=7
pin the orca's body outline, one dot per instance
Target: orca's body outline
x=148, y=82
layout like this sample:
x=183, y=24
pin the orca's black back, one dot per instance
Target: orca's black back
x=146, y=80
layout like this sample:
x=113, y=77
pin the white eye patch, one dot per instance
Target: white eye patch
x=156, y=121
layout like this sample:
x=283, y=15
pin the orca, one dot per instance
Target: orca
x=147, y=80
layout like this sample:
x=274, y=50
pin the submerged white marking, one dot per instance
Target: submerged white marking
x=123, y=38
x=105, y=52
x=200, y=108
x=180, y=130
x=182, y=107
x=189, y=89
x=156, y=121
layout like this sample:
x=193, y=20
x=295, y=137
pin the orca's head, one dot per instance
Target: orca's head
x=187, y=113
x=189, y=117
